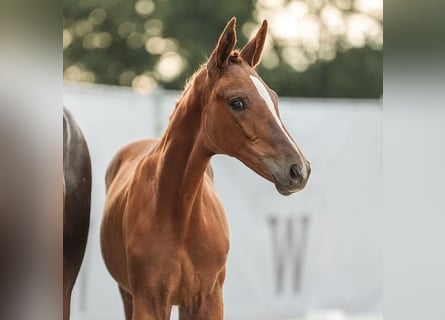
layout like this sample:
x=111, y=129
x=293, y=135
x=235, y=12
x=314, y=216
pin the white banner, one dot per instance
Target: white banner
x=319, y=249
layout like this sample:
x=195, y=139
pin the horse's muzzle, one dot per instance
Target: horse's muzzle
x=291, y=180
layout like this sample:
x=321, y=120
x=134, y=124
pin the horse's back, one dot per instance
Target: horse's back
x=126, y=159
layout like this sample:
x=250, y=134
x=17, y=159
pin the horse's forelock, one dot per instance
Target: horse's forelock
x=235, y=57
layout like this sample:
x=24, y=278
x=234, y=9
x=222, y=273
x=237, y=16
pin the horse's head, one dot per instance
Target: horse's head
x=241, y=117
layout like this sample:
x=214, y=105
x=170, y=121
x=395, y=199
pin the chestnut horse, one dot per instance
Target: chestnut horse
x=76, y=204
x=164, y=234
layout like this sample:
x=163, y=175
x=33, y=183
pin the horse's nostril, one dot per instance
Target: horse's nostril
x=294, y=172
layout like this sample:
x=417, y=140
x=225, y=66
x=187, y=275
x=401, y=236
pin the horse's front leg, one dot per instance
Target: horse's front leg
x=152, y=299
x=149, y=308
x=208, y=307
x=152, y=293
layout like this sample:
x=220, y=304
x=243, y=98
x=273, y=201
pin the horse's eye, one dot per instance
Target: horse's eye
x=237, y=104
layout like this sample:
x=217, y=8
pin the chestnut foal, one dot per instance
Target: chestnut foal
x=164, y=234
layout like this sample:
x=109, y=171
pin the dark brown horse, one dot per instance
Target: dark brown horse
x=164, y=234
x=76, y=204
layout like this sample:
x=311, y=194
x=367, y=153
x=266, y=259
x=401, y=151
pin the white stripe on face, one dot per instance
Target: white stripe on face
x=266, y=97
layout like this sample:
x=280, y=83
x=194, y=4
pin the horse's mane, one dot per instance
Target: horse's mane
x=189, y=81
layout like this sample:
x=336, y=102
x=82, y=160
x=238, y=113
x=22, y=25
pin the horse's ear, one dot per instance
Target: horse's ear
x=251, y=53
x=225, y=45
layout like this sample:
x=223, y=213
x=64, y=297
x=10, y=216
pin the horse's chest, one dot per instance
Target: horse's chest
x=207, y=241
x=205, y=254
x=208, y=252
x=188, y=256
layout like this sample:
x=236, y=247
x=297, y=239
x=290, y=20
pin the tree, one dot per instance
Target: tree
x=142, y=43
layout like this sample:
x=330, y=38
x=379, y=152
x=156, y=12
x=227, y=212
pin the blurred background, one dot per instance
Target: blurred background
x=315, y=48
x=315, y=255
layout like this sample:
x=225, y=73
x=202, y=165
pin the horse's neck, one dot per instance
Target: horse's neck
x=182, y=162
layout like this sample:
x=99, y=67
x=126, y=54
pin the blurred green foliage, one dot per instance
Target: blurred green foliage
x=142, y=43
x=356, y=73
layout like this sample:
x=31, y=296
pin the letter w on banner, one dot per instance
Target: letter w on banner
x=289, y=239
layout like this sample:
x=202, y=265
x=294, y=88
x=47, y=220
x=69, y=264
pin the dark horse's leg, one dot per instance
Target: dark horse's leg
x=69, y=277
x=72, y=259
x=76, y=204
x=127, y=300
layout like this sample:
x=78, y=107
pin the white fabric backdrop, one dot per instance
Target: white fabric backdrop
x=318, y=249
